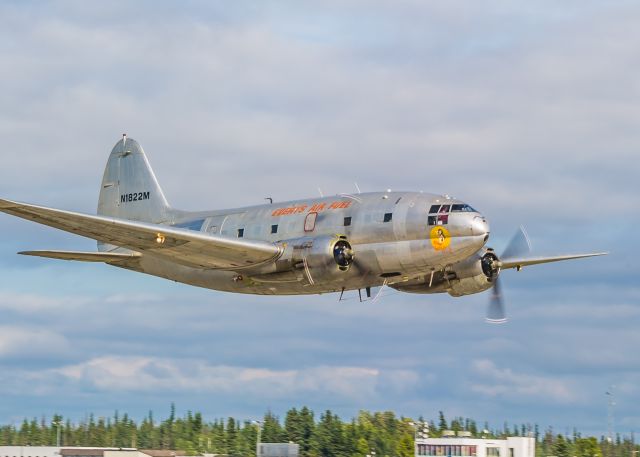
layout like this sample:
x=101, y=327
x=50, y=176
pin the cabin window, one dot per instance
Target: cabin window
x=191, y=225
x=444, y=209
x=310, y=222
x=347, y=221
x=387, y=217
x=274, y=228
x=240, y=232
x=434, y=208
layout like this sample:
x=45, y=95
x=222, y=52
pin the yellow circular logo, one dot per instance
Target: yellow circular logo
x=440, y=238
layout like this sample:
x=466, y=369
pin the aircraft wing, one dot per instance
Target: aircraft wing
x=108, y=257
x=512, y=262
x=182, y=246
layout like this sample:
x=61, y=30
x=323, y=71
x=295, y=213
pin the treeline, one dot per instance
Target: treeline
x=380, y=434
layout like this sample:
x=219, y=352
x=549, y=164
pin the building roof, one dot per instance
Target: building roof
x=99, y=452
x=82, y=451
x=163, y=452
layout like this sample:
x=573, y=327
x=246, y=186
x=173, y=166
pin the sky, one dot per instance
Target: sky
x=529, y=111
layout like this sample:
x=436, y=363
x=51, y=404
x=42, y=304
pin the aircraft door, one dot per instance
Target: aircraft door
x=310, y=222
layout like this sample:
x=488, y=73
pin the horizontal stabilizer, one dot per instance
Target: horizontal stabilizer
x=84, y=256
x=526, y=261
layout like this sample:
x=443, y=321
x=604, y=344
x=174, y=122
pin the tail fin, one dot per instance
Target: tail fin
x=129, y=189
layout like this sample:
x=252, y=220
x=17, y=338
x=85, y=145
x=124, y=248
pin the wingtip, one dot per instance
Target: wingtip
x=31, y=253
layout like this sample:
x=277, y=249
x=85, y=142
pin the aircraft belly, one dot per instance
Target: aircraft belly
x=375, y=263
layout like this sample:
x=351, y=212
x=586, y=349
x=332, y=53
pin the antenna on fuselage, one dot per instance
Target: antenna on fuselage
x=270, y=200
x=320, y=191
x=357, y=188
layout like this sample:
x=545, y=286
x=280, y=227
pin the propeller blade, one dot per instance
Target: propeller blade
x=496, y=313
x=519, y=245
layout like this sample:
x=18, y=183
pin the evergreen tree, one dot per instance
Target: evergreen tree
x=328, y=438
x=381, y=432
x=587, y=447
x=231, y=436
x=406, y=446
x=307, y=429
x=561, y=447
x=272, y=431
x=442, y=422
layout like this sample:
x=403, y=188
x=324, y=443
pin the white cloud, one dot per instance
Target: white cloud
x=505, y=383
x=133, y=373
x=35, y=303
x=16, y=341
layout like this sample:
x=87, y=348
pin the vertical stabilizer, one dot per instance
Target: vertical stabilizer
x=129, y=189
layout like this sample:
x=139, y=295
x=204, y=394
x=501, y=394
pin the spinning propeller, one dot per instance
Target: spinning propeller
x=518, y=248
x=516, y=255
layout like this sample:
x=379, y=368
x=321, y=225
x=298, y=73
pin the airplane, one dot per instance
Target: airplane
x=410, y=241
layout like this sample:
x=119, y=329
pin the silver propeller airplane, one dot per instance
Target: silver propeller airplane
x=410, y=241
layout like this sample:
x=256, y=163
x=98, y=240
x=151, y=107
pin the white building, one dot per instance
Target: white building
x=278, y=450
x=475, y=447
x=67, y=451
x=29, y=451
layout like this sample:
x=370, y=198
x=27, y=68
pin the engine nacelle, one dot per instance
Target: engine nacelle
x=470, y=276
x=473, y=275
x=317, y=259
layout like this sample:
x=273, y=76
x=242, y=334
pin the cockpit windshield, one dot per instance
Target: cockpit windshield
x=439, y=214
x=462, y=208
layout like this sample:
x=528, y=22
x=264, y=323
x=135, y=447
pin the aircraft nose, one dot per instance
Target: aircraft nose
x=480, y=226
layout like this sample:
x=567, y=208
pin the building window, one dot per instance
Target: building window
x=274, y=228
x=511, y=452
x=387, y=217
x=347, y=221
x=493, y=452
x=240, y=232
x=442, y=450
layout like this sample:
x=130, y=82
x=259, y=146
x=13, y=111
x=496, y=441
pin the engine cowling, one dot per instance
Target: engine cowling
x=473, y=275
x=317, y=259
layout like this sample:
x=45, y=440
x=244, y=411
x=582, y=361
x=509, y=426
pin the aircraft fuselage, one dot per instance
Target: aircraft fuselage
x=395, y=236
